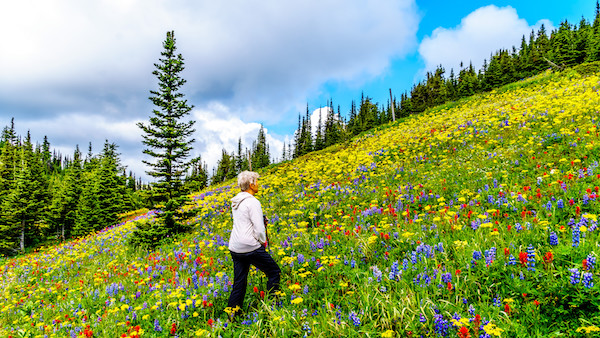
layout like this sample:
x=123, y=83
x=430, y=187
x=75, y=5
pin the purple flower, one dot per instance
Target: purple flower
x=553, y=238
x=575, y=276
x=588, y=281
x=353, y=317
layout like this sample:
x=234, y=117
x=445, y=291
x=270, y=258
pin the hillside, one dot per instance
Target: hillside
x=476, y=218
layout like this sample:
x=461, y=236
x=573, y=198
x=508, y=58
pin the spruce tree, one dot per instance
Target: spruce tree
x=197, y=180
x=319, y=137
x=65, y=198
x=167, y=135
x=168, y=140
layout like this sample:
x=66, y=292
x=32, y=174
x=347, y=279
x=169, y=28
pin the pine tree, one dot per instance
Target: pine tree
x=88, y=213
x=166, y=135
x=224, y=168
x=24, y=206
x=112, y=192
x=65, y=198
x=563, y=45
x=197, y=180
x=260, y=154
x=593, y=51
x=168, y=140
x=9, y=231
x=582, y=41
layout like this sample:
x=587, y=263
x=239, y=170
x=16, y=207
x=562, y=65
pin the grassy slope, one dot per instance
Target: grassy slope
x=411, y=228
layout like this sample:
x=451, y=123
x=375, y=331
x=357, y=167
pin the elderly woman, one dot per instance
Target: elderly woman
x=248, y=240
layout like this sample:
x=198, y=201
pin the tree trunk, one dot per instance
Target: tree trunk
x=22, y=235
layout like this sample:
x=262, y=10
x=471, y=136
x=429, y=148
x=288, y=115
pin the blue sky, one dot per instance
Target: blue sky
x=81, y=71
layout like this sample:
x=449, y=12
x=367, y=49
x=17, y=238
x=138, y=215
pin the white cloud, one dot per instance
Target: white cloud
x=479, y=34
x=314, y=118
x=260, y=56
x=79, y=66
x=216, y=131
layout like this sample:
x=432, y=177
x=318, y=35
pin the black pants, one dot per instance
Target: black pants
x=241, y=265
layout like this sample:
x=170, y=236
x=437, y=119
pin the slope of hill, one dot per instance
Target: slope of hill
x=474, y=219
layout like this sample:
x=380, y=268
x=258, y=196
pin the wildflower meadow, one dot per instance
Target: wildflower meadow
x=478, y=218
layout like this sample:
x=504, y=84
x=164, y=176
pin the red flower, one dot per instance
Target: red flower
x=463, y=332
x=262, y=295
x=210, y=322
x=449, y=286
x=506, y=252
x=536, y=302
x=507, y=309
x=523, y=258
x=584, y=263
x=173, y=328
x=548, y=257
x=255, y=289
x=457, y=272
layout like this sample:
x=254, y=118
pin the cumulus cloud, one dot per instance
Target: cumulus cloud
x=85, y=63
x=478, y=35
x=68, y=54
x=216, y=131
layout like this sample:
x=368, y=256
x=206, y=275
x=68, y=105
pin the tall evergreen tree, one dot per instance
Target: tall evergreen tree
x=260, y=152
x=65, y=198
x=197, y=179
x=167, y=135
x=24, y=206
x=168, y=140
x=319, y=137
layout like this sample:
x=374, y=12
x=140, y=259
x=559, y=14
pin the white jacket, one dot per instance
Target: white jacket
x=248, y=232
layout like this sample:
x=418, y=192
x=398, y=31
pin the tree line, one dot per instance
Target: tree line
x=45, y=196
x=566, y=46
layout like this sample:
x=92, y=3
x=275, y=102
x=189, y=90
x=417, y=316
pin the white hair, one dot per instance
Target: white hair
x=245, y=178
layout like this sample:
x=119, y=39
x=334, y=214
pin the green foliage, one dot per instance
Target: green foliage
x=168, y=138
x=167, y=135
x=45, y=196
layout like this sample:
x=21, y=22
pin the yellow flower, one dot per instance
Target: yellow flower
x=297, y=300
x=491, y=329
x=294, y=287
x=388, y=334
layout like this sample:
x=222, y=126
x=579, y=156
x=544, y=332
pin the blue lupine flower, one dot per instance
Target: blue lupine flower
x=518, y=227
x=575, y=276
x=560, y=204
x=377, y=273
x=575, y=235
x=441, y=325
x=422, y=318
x=512, y=260
x=553, y=238
x=588, y=281
x=394, y=271
x=591, y=261
x=354, y=318
x=157, y=327
x=530, y=258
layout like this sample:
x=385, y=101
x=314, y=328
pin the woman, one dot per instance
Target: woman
x=248, y=239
